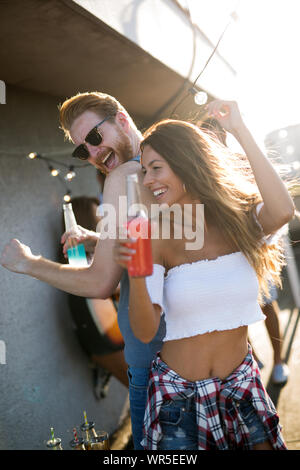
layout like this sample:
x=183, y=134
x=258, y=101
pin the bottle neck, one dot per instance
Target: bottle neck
x=70, y=221
x=135, y=208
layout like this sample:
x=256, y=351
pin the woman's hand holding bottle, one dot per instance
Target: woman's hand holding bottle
x=124, y=251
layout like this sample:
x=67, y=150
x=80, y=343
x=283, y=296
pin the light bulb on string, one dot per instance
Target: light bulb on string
x=200, y=98
x=54, y=171
x=67, y=196
x=71, y=174
x=33, y=155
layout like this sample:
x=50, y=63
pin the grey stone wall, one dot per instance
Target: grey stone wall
x=45, y=380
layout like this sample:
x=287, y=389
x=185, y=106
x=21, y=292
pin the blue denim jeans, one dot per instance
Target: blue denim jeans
x=253, y=423
x=179, y=427
x=138, y=385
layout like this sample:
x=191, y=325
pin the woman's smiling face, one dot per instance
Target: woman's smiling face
x=164, y=184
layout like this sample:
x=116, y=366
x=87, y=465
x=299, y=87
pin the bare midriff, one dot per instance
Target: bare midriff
x=215, y=354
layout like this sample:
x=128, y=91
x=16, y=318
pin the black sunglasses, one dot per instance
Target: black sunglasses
x=94, y=137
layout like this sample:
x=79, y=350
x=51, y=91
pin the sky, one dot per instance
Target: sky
x=263, y=45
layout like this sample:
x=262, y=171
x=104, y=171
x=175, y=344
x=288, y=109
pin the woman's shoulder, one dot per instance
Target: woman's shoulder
x=165, y=251
x=158, y=250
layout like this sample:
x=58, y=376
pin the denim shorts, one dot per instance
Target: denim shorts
x=256, y=429
x=179, y=426
x=138, y=386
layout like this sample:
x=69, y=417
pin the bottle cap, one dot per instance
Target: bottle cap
x=54, y=442
x=87, y=426
x=75, y=443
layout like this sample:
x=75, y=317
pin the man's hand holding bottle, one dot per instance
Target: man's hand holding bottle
x=80, y=236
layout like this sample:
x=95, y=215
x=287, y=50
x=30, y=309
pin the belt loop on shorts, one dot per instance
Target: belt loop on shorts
x=189, y=401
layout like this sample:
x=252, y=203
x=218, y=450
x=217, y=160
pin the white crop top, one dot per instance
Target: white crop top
x=207, y=295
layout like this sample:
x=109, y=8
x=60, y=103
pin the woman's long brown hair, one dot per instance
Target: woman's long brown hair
x=224, y=183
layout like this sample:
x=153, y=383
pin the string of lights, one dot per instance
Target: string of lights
x=53, y=165
x=200, y=97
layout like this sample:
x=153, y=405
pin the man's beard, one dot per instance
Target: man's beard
x=124, y=148
x=122, y=151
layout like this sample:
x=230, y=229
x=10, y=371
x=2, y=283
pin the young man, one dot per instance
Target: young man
x=106, y=136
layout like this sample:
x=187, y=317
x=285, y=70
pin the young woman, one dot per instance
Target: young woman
x=205, y=390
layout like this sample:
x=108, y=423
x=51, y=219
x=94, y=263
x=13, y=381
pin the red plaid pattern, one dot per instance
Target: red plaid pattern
x=220, y=425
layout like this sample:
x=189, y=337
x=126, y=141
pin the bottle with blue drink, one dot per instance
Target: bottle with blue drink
x=76, y=253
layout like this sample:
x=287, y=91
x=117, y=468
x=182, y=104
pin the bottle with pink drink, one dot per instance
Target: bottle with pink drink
x=138, y=227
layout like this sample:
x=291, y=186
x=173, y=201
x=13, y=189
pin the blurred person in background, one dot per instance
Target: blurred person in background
x=95, y=320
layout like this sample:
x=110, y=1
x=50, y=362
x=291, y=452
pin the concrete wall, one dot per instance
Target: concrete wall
x=45, y=380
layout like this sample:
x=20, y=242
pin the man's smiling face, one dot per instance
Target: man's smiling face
x=115, y=147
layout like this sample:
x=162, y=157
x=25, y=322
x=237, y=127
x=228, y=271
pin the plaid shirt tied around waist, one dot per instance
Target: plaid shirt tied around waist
x=220, y=425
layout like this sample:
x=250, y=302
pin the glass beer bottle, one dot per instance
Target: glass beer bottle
x=76, y=253
x=78, y=442
x=89, y=433
x=138, y=227
x=55, y=442
x=101, y=442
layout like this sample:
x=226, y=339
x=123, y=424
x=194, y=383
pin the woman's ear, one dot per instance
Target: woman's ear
x=122, y=120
